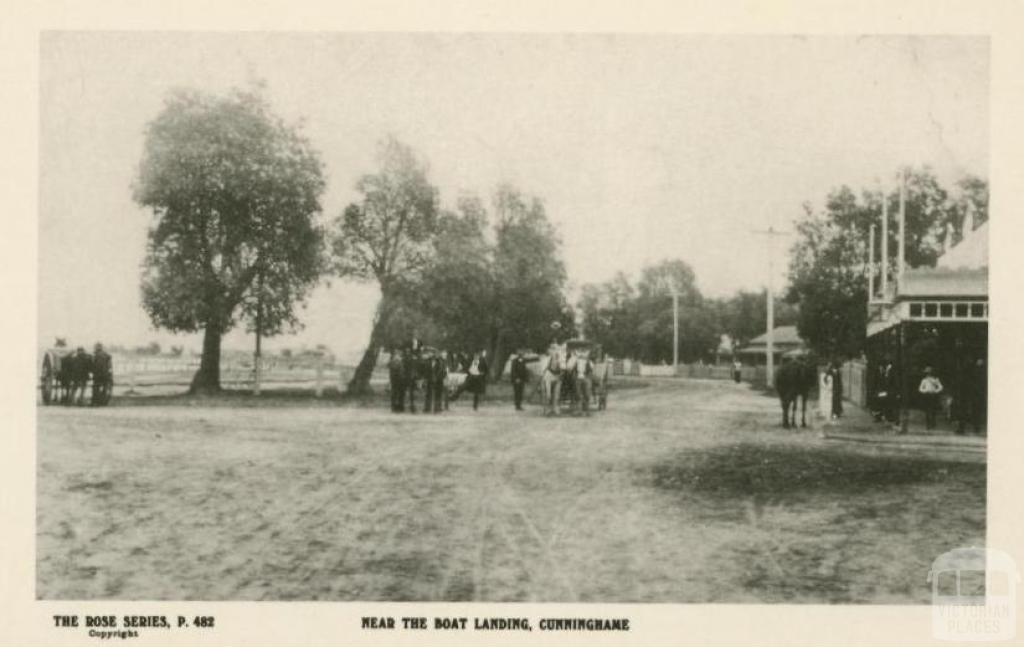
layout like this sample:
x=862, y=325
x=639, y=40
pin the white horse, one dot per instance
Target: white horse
x=550, y=367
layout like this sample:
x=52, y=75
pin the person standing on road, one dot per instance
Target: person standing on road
x=396, y=382
x=476, y=378
x=737, y=370
x=519, y=375
x=930, y=390
x=825, y=394
x=437, y=374
x=102, y=376
x=836, y=373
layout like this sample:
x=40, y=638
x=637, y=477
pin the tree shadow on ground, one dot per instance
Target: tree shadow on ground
x=789, y=471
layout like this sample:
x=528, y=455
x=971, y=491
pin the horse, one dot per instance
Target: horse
x=601, y=372
x=414, y=371
x=78, y=367
x=583, y=379
x=551, y=381
x=794, y=380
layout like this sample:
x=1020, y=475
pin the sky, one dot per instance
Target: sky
x=643, y=147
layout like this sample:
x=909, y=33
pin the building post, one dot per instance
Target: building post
x=885, y=244
x=903, y=226
x=871, y=264
x=904, y=421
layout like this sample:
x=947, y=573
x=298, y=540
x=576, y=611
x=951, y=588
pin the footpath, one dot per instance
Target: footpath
x=858, y=426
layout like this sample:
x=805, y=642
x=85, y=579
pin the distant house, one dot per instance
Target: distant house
x=785, y=339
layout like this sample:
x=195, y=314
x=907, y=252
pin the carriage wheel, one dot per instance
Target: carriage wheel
x=46, y=380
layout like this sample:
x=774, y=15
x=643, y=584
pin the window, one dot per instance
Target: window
x=915, y=309
x=946, y=310
x=961, y=310
x=978, y=310
x=931, y=309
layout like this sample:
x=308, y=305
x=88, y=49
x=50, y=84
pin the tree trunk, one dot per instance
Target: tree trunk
x=360, y=382
x=207, y=378
x=498, y=358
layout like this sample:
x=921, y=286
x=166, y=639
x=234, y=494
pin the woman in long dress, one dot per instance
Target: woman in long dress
x=825, y=395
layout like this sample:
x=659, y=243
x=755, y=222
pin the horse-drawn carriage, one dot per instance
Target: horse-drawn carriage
x=64, y=375
x=590, y=386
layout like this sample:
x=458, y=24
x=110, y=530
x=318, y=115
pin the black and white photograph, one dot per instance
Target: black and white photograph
x=457, y=323
x=558, y=318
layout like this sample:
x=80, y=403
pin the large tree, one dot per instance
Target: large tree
x=637, y=321
x=234, y=193
x=529, y=276
x=387, y=237
x=458, y=289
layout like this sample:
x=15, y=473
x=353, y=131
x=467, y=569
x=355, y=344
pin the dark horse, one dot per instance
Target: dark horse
x=794, y=379
x=407, y=374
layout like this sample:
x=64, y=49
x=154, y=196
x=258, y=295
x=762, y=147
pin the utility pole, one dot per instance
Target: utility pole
x=674, y=290
x=675, y=331
x=770, y=298
x=257, y=360
x=904, y=386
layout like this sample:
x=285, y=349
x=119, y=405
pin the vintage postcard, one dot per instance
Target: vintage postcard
x=373, y=333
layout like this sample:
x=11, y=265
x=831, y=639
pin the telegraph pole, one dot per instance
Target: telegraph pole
x=674, y=290
x=675, y=331
x=770, y=298
x=257, y=360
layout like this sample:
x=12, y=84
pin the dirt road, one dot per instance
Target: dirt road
x=685, y=491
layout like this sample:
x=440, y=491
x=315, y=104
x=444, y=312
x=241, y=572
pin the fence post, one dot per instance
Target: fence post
x=133, y=368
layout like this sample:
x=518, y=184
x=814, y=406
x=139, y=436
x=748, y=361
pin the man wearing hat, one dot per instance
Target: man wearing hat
x=102, y=376
x=519, y=375
x=930, y=390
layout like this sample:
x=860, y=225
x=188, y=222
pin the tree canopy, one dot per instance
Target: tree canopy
x=234, y=192
x=387, y=237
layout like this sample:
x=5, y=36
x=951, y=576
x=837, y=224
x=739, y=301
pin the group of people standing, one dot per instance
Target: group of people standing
x=76, y=370
x=966, y=402
x=444, y=376
x=411, y=369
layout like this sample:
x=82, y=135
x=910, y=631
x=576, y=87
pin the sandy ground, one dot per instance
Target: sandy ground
x=685, y=491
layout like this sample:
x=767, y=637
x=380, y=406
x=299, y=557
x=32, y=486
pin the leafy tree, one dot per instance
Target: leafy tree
x=827, y=277
x=458, y=290
x=743, y=316
x=529, y=277
x=387, y=238
x=609, y=315
x=234, y=192
x=637, y=321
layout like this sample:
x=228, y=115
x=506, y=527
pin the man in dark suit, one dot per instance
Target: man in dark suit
x=102, y=376
x=519, y=375
x=397, y=381
x=437, y=371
